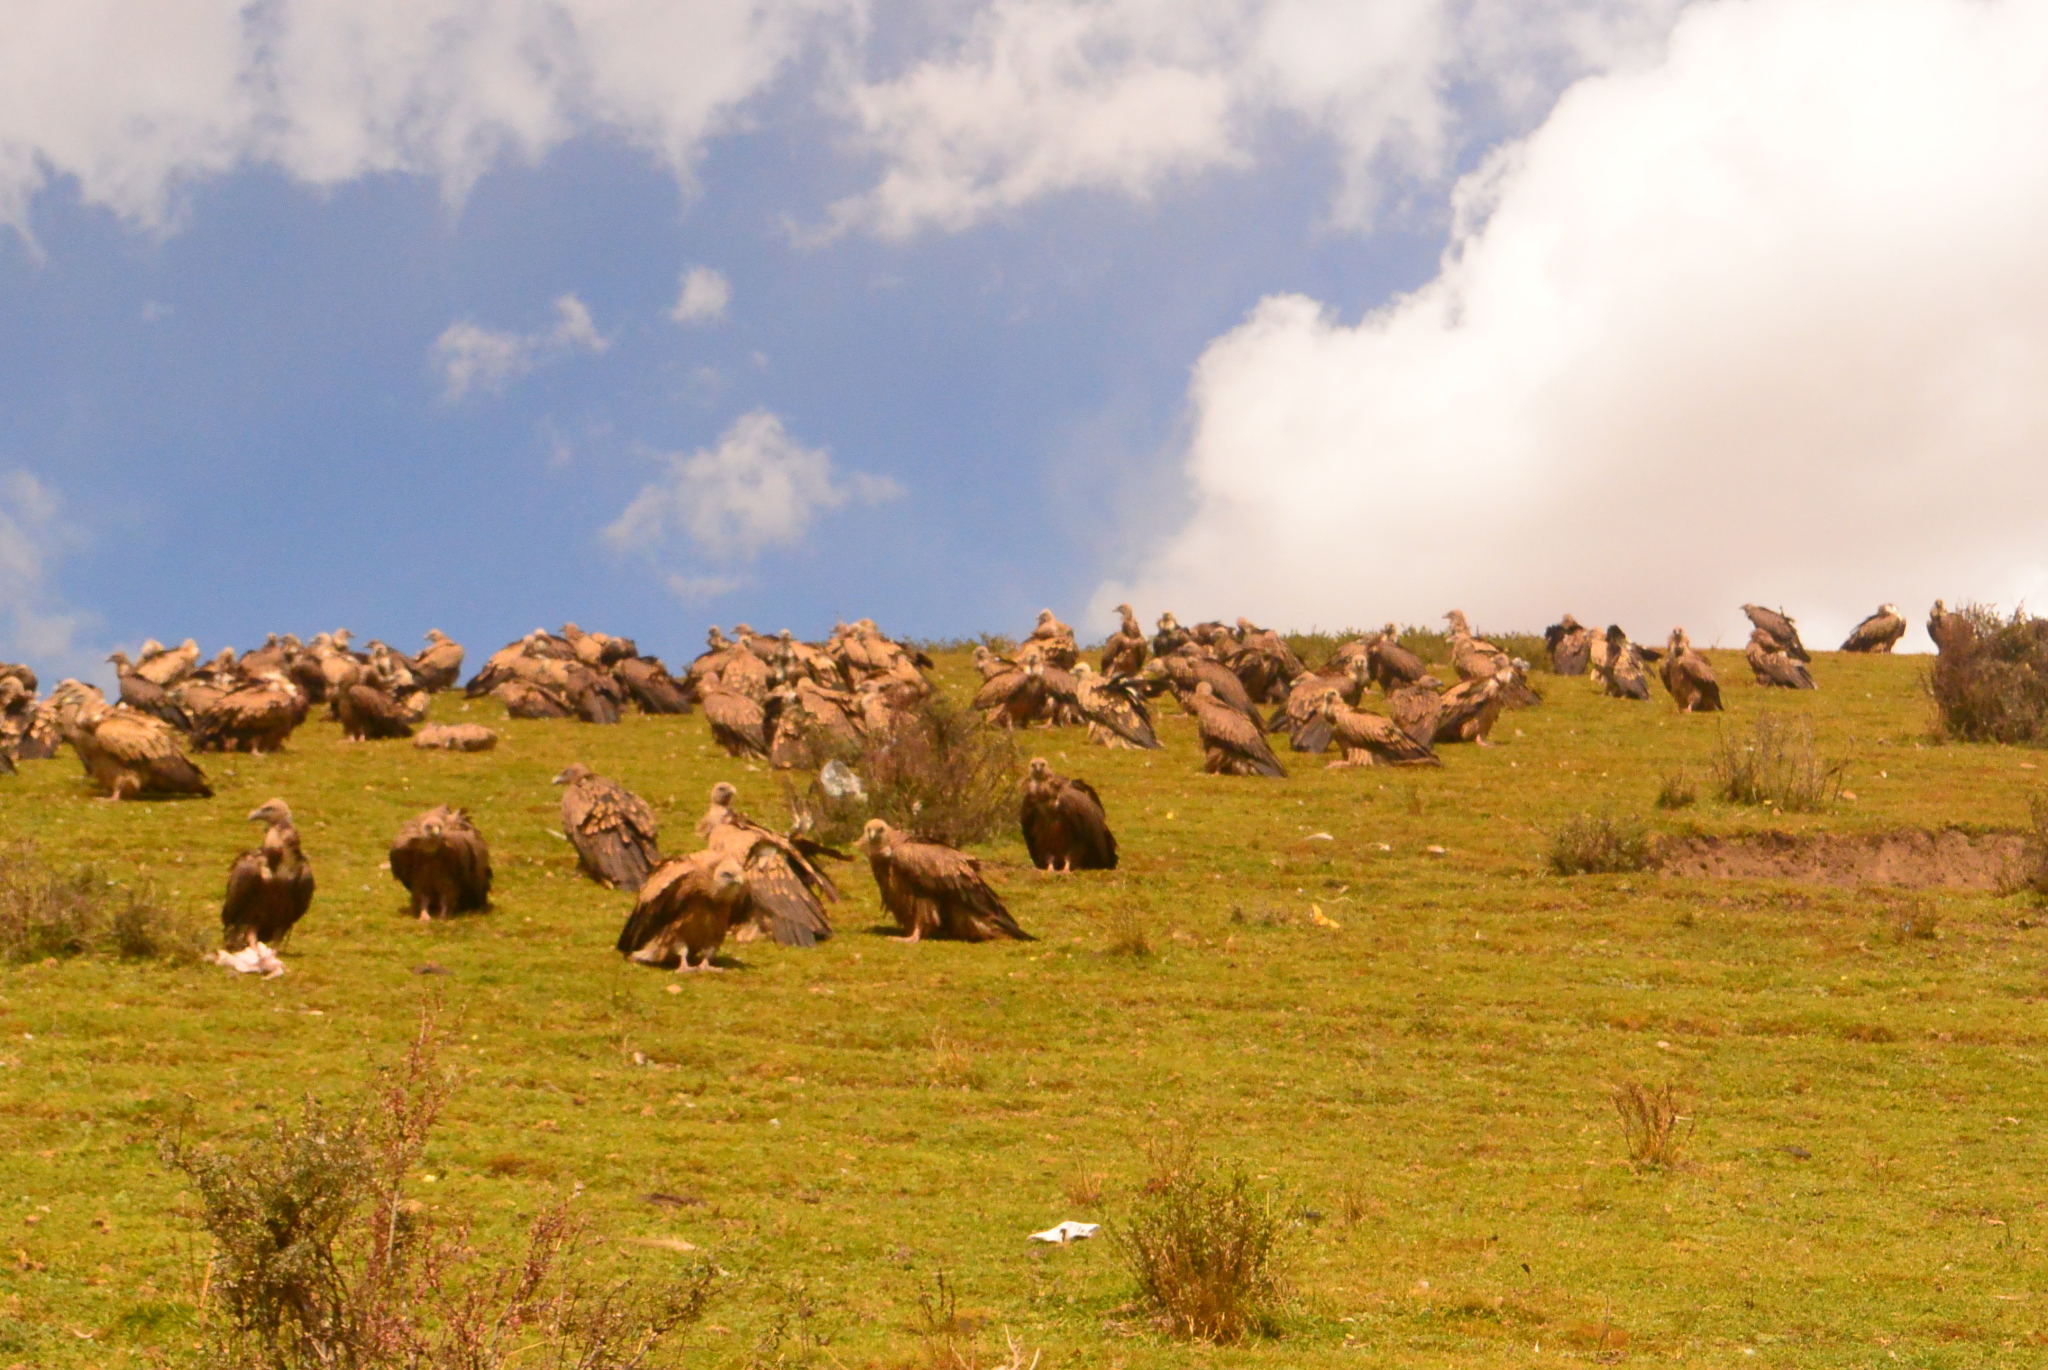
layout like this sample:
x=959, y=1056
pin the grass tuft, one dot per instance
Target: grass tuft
x=1128, y=933
x=1206, y=1247
x=1652, y=1123
x=44, y=914
x=1775, y=765
x=1599, y=844
x=1678, y=791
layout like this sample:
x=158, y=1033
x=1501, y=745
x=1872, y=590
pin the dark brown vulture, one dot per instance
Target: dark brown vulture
x=1014, y=699
x=1878, y=633
x=1782, y=633
x=786, y=891
x=144, y=695
x=1366, y=739
x=1621, y=670
x=131, y=755
x=1776, y=668
x=738, y=723
x=270, y=888
x=368, y=714
x=1065, y=827
x=1393, y=666
x=1689, y=676
x=684, y=910
x=1231, y=743
x=1171, y=637
x=1467, y=711
x=933, y=890
x=525, y=699
x=1303, y=718
x=1188, y=671
x=258, y=717
x=1114, y=710
x=442, y=861
x=1126, y=650
x=455, y=737
x=652, y=687
x=612, y=829
x=439, y=666
x=1571, y=646
x=1950, y=632
x=1415, y=710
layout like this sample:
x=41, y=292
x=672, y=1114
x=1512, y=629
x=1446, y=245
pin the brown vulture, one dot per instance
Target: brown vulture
x=1055, y=639
x=525, y=699
x=1621, y=670
x=166, y=668
x=1114, y=710
x=652, y=687
x=1466, y=712
x=1774, y=667
x=684, y=910
x=1065, y=827
x=1950, y=632
x=131, y=755
x=1878, y=633
x=443, y=863
x=270, y=888
x=1366, y=739
x=1171, y=637
x=455, y=737
x=258, y=717
x=144, y=695
x=1125, y=652
x=1014, y=699
x=1782, y=632
x=1689, y=676
x=738, y=722
x=439, y=666
x=1473, y=656
x=786, y=891
x=368, y=714
x=612, y=829
x=1231, y=743
x=1302, y=717
x=1393, y=666
x=1189, y=671
x=933, y=890
x=1571, y=646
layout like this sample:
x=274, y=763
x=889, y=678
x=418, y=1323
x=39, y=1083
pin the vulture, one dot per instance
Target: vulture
x=1308, y=730
x=132, y=755
x=1415, y=710
x=524, y=699
x=1366, y=739
x=257, y=717
x=1115, y=710
x=1782, y=632
x=1189, y=671
x=443, y=863
x=1473, y=657
x=933, y=890
x=1231, y=743
x=684, y=910
x=269, y=888
x=440, y=665
x=1014, y=698
x=652, y=687
x=1393, y=665
x=367, y=714
x=1571, y=646
x=1171, y=637
x=1466, y=712
x=1055, y=639
x=1125, y=652
x=17, y=714
x=165, y=668
x=455, y=737
x=1622, y=667
x=1949, y=631
x=1775, y=667
x=1878, y=633
x=786, y=891
x=738, y=723
x=144, y=695
x=1689, y=676
x=1065, y=828
x=611, y=828
x=1264, y=663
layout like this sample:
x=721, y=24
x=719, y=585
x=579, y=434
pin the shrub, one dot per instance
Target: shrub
x=1678, y=791
x=1599, y=844
x=1991, y=685
x=44, y=914
x=1206, y=1248
x=1529, y=647
x=321, y=1261
x=939, y=773
x=1651, y=1121
x=1775, y=765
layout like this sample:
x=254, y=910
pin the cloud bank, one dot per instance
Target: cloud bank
x=1767, y=320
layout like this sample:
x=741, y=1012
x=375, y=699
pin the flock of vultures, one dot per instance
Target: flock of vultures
x=792, y=703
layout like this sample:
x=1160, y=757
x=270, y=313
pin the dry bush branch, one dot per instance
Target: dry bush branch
x=1599, y=844
x=1776, y=765
x=1656, y=1130
x=1206, y=1248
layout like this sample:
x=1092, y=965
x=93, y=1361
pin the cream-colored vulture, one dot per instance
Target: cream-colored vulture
x=1366, y=739
x=1055, y=639
x=611, y=828
x=130, y=755
x=684, y=910
x=1231, y=743
x=270, y=888
x=786, y=889
x=1781, y=633
x=1621, y=669
x=259, y=717
x=526, y=699
x=1126, y=650
x=439, y=666
x=369, y=714
x=934, y=891
x=1472, y=656
x=1065, y=825
x=443, y=862
x=1571, y=646
x=455, y=737
x=17, y=714
x=738, y=722
x=1689, y=676
x=1114, y=710
x=166, y=668
x=1468, y=710
x=1773, y=667
x=1878, y=633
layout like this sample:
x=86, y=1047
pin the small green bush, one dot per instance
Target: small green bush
x=1678, y=791
x=1599, y=844
x=1206, y=1247
x=940, y=773
x=45, y=914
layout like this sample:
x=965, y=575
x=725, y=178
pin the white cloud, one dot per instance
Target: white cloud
x=698, y=589
x=705, y=294
x=33, y=535
x=1766, y=321
x=757, y=488
x=471, y=357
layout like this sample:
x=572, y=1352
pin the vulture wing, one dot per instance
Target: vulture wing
x=612, y=830
x=950, y=881
x=661, y=896
x=1090, y=843
x=1231, y=733
x=241, y=911
x=146, y=749
x=737, y=723
x=1357, y=730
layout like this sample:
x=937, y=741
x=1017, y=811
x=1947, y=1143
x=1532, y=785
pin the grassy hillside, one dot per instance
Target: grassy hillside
x=1428, y=1081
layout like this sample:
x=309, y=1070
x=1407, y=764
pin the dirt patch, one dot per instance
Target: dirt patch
x=1907, y=858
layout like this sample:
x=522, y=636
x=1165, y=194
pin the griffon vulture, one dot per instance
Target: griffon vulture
x=258, y=717
x=1188, y=671
x=1878, y=633
x=1055, y=639
x=1065, y=827
x=1393, y=666
x=166, y=668
x=1171, y=637
x=439, y=666
x=652, y=687
x=1115, y=710
x=368, y=714
x=933, y=890
x=525, y=699
x=1950, y=631
x=786, y=890
x=455, y=737
x=131, y=755
x=1773, y=667
x=1366, y=739
x=1467, y=711
x=1621, y=669
x=612, y=829
x=1125, y=652
x=270, y=888
x=442, y=861
x=1689, y=676
x=1571, y=646
x=738, y=722
x=1782, y=633
x=1231, y=743
x=144, y=695
x=684, y=910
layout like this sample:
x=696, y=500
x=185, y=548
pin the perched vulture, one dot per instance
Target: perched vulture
x=368, y=714
x=611, y=828
x=1171, y=637
x=443, y=863
x=1189, y=671
x=131, y=755
x=144, y=695
x=738, y=723
x=786, y=891
x=440, y=665
x=1016, y=698
x=1782, y=632
x=1473, y=657
x=1774, y=667
x=1878, y=633
x=1393, y=666
x=933, y=890
x=683, y=911
x=1125, y=652
x=166, y=668
x=1689, y=676
x=270, y=888
x=1065, y=828
x=258, y=717
x=1114, y=710
x=652, y=687
x=1416, y=709
x=1303, y=718
x=1231, y=743
x=455, y=737
x=1055, y=639
x=1366, y=739
x=1949, y=631
x=1571, y=646
x=17, y=714
x=524, y=699
x=1622, y=668
x=1466, y=712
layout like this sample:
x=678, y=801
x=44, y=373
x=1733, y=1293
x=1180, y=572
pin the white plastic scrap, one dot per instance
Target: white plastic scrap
x=253, y=959
x=839, y=781
x=1068, y=1231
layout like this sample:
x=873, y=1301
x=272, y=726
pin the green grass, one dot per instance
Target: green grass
x=1430, y=1081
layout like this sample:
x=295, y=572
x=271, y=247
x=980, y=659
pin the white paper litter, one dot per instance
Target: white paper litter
x=1068, y=1231
x=254, y=959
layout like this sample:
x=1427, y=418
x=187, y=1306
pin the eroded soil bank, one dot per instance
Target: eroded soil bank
x=1907, y=858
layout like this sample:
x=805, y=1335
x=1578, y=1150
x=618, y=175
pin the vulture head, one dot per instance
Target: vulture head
x=436, y=636
x=1938, y=610
x=1679, y=642
x=275, y=812
x=1040, y=771
x=728, y=878
x=1044, y=617
x=786, y=636
x=1891, y=609
x=1082, y=668
x=874, y=838
x=1616, y=637
x=1168, y=622
x=743, y=631
x=151, y=647
x=120, y=659
x=1329, y=702
x=723, y=793
x=571, y=774
x=431, y=831
x=1456, y=618
x=340, y=638
x=1204, y=690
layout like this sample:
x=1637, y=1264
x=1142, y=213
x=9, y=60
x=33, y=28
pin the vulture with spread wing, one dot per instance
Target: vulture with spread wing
x=270, y=888
x=1878, y=633
x=1689, y=676
x=611, y=828
x=933, y=890
x=786, y=890
x=1780, y=631
x=1775, y=667
x=1065, y=827
x=442, y=861
x=684, y=910
x=1366, y=739
x=1231, y=743
x=1115, y=710
x=131, y=755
